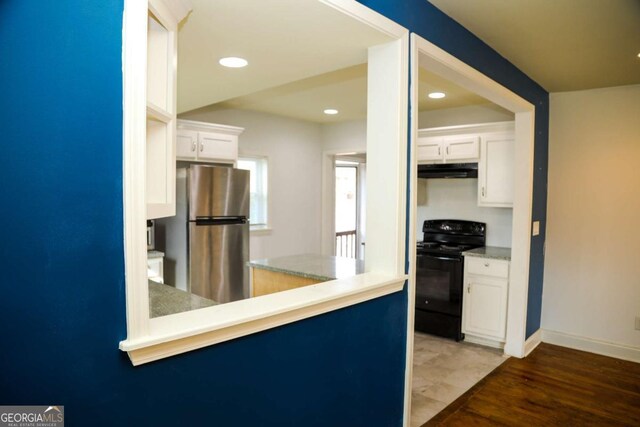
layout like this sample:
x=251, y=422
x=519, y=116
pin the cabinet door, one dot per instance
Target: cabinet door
x=429, y=150
x=463, y=147
x=186, y=144
x=485, y=307
x=216, y=146
x=495, y=171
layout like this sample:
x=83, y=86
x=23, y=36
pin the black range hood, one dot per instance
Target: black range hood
x=448, y=170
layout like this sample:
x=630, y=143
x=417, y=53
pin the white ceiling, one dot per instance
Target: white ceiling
x=287, y=41
x=346, y=91
x=563, y=45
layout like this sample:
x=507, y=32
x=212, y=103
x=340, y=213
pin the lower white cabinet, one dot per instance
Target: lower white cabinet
x=207, y=142
x=155, y=267
x=484, y=303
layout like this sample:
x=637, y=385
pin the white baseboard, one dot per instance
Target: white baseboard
x=532, y=342
x=592, y=345
x=483, y=341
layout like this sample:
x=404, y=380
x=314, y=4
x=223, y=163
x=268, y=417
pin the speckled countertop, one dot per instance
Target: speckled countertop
x=165, y=300
x=493, y=252
x=318, y=267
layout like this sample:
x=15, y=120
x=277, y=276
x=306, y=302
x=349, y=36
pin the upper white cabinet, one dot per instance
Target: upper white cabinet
x=491, y=145
x=207, y=142
x=447, y=149
x=495, y=170
x=162, y=33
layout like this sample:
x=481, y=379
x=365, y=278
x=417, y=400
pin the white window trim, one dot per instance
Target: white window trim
x=261, y=229
x=152, y=339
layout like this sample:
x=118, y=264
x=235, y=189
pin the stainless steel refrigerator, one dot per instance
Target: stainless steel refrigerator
x=207, y=243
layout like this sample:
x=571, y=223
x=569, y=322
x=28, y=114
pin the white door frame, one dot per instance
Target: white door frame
x=436, y=60
x=328, y=208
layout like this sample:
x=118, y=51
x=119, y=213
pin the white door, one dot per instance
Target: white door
x=216, y=146
x=495, y=171
x=429, y=149
x=186, y=144
x=464, y=147
x=485, y=306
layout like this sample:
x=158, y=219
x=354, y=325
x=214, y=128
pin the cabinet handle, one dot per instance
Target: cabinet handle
x=469, y=288
x=201, y=147
x=486, y=264
x=447, y=149
x=439, y=150
x=482, y=191
x=193, y=146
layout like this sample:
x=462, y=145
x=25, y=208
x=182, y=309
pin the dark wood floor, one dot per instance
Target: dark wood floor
x=553, y=386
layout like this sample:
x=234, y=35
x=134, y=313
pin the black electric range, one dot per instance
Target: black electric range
x=439, y=274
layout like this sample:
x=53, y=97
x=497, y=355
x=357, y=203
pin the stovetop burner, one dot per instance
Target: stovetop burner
x=451, y=237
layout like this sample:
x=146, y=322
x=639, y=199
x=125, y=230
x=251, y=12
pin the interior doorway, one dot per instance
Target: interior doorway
x=349, y=206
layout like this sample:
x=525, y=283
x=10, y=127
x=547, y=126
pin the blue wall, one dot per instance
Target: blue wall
x=427, y=21
x=63, y=302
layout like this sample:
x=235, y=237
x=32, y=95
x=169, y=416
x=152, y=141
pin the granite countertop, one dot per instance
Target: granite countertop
x=311, y=266
x=493, y=252
x=165, y=300
x=154, y=254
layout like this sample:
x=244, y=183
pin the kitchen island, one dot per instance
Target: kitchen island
x=290, y=272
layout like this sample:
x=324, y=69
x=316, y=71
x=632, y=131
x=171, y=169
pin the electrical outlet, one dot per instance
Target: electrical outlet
x=536, y=228
x=638, y=323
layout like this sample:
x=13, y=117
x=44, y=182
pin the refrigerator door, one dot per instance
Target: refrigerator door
x=217, y=191
x=218, y=256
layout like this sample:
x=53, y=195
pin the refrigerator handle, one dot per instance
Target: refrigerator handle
x=221, y=220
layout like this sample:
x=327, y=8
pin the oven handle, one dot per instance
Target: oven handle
x=442, y=258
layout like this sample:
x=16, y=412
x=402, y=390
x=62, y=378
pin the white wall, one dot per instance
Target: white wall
x=294, y=150
x=347, y=136
x=447, y=199
x=458, y=199
x=471, y=114
x=592, y=267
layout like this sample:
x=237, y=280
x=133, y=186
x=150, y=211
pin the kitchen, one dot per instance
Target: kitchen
x=273, y=127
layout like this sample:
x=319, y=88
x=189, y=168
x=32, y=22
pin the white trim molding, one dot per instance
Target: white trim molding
x=171, y=335
x=591, y=345
x=532, y=342
x=427, y=55
x=151, y=339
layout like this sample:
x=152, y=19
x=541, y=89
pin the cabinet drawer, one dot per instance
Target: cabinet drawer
x=488, y=267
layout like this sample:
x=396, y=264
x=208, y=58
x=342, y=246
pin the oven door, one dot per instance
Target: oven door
x=439, y=284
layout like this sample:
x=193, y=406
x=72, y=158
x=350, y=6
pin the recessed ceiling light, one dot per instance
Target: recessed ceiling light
x=639, y=55
x=233, y=62
x=437, y=95
x=331, y=111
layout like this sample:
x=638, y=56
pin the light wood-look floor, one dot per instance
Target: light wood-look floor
x=553, y=386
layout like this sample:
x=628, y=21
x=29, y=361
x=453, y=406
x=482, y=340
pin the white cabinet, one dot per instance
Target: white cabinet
x=495, y=170
x=207, y=142
x=429, y=150
x=162, y=41
x=448, y=149
x=484, y=304
x=155, y=266
x=186, y=144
